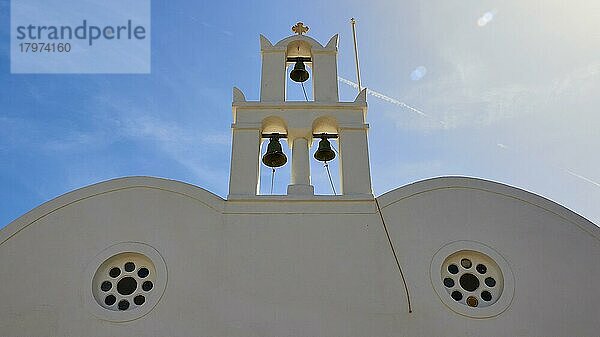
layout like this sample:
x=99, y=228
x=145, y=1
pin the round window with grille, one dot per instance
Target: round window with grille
x=472, y=279
x=126, y=281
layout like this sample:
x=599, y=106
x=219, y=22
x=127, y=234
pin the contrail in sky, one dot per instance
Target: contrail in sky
x=384, y=97
x=576, y=175
x=582, y=177
x=404, y=105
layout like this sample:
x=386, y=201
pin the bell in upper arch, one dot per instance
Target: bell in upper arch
x=324, y=152
x=299, y=73
x=274, y=157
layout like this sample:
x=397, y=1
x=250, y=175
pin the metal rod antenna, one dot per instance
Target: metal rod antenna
x=353, y=22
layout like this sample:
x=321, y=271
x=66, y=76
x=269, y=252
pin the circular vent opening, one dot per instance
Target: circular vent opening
x=124, y=281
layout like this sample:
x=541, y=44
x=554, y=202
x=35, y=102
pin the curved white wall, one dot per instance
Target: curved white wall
x=299, y=267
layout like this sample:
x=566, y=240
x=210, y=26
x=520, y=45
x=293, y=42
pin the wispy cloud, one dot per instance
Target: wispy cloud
x=76, y=141
x=174, y=134
x=575, y=77
x=114, y=122
x=185, y=146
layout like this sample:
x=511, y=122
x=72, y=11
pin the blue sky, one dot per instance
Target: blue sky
x=509, y=90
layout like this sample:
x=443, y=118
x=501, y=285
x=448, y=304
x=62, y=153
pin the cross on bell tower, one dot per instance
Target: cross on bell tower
x=272, y=118
x=299, y=28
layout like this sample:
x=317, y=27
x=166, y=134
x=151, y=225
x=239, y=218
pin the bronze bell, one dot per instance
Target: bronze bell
x=299, y=73
x=274, y=157
x=324, y=152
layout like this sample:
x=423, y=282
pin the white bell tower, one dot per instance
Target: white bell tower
x=300, y=122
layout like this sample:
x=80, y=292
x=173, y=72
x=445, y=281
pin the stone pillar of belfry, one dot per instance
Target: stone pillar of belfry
x=300, y=177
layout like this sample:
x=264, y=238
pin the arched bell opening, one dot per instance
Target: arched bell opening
x=325, y=124
x=322, y=171
x=299, y=85
x=299, y=91
x=279, y=179
x=273, y=124
x=275, y=157
x=325, y=159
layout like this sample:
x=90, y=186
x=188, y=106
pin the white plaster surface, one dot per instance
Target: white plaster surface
x=299, y=267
